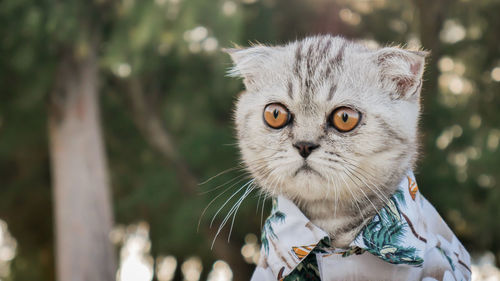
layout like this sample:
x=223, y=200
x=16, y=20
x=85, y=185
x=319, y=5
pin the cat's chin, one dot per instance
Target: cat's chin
x=307, y=185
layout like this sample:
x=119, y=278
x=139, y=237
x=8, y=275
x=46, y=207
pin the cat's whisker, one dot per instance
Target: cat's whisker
x=249, y=190
x=380, y=193
x=345, y=161
x=334, y=186
x=231, y=197
x=269, y=148
x=258, y=202
x=264, y=157
x=361, y=168
x=352, y=194
x=272, y=184
x=336, y=202
x=270, y=173
x=214, y=199
x=209, y=204
x=277, y=181
x=262, y=211
x=228, y=215
x=329, y=185
x=335, y=193
x=364, y=194
x=278, y=184
x=263, y=160
x=362, y=178
x=265, y=172
x=226, y=218
x=219, y=174
x=225, y=183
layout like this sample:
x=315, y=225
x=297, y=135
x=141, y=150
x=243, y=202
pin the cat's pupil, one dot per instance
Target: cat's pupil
x=276, y=113
x=345, y=116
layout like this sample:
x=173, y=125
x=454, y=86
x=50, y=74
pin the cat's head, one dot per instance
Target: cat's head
x=325, y=117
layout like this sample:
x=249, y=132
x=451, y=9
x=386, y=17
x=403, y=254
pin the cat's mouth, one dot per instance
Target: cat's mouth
x=306, y=169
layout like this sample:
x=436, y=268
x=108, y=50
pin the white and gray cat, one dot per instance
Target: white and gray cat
x=329, y=124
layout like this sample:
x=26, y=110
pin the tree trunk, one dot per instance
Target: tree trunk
x=82, y=201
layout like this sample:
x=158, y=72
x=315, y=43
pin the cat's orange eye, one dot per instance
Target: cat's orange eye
x=345, y=119
x=276, y=115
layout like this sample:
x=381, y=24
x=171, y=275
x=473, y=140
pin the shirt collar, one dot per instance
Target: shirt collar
x=288, y=236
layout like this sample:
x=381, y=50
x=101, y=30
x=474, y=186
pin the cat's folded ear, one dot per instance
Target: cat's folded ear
x=249, y=63
x=401, y=71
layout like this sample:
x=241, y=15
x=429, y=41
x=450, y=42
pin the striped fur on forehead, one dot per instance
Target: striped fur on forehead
x=349, y=174
x=316, y=61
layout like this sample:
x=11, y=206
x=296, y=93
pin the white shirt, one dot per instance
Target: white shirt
x=406, y=240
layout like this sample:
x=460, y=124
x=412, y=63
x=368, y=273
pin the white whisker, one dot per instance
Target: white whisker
x=225, y=203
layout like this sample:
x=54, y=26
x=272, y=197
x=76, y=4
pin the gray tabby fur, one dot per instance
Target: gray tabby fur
x=346, y=180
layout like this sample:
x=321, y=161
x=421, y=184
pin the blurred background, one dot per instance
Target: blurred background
x=155, y=72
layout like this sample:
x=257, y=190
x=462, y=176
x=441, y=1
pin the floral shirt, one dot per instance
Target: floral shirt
x=406, y=240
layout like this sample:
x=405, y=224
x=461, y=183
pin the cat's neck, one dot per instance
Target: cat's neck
x=343, y=219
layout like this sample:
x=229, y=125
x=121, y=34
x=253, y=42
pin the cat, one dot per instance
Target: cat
x=310, y=80
x=330, y=125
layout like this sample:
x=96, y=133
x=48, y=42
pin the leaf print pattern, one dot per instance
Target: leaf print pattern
x=450, y=261
x=268, y=232
x=306, y=270
x=398, y=196
x=352, y=251
x=383, y=236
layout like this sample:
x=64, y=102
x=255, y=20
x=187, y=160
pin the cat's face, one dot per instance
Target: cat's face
x=324, y=118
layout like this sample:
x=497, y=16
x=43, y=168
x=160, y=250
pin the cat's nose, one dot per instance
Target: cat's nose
x=305, y=148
